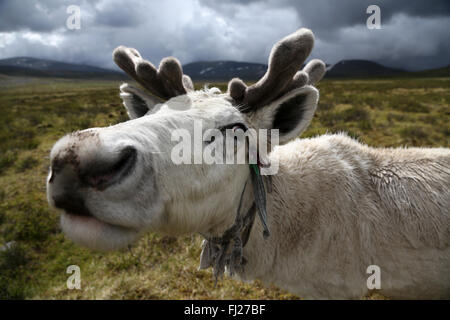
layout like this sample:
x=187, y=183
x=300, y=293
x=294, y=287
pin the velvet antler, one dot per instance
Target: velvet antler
x=165, y=82
x=282, y=76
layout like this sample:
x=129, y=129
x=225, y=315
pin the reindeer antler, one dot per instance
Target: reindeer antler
x=282, y=76
x=166, y=82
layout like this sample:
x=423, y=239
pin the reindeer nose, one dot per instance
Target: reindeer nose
x=101, y=174
x=71, y=176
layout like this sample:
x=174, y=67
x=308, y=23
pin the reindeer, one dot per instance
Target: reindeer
x=334, y=208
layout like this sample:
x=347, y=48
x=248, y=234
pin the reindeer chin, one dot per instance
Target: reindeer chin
x=97, y=235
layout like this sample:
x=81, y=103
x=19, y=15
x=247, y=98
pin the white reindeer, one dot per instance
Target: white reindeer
x=335, y=207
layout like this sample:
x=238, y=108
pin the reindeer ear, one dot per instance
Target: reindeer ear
x=137, y=102
x=290, y=114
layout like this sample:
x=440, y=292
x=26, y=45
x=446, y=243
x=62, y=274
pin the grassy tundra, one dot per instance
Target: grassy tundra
x=35, y=113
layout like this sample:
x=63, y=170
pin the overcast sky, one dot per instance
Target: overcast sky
x=414, y=34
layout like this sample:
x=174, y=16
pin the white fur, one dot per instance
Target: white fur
x=337, y=205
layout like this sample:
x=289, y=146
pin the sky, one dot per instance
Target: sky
x=414, y=34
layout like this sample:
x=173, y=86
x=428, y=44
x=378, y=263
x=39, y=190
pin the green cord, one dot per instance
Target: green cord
x=255, y=168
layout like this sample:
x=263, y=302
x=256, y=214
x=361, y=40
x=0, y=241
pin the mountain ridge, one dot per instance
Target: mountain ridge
x=29, y=66
x=219, y=70
x=361, y=68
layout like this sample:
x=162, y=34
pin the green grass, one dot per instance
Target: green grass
x=35, y=113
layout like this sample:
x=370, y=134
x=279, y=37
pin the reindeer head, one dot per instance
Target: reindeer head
x=113, y=183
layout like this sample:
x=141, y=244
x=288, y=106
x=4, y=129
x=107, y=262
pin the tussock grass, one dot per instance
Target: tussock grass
x=27, y=163
x=12, y=262
x=35, y=113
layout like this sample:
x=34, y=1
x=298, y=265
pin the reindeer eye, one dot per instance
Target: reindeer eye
x=234, y=126
x=209, y=139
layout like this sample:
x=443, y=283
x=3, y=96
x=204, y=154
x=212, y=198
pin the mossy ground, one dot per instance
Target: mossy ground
x=388, y=112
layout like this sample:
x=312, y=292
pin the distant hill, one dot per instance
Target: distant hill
x=360, y=68
x=439, y=72
x=206, y=71
x=370, y=69
x=27, y=66
x=224, y=70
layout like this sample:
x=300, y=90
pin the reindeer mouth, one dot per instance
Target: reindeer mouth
x=88, y=219
x=73, y=205
x=80, y=214
x=95, y=233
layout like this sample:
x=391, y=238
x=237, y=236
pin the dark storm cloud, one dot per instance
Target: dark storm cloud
x=49, y=15
x=320, y=15
x=413, y=36
x=326, y=13
x=119, y=14
x=41, y=16
x=16, y=15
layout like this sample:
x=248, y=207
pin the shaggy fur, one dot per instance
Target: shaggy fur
x=336, y=206
x=339, y=206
